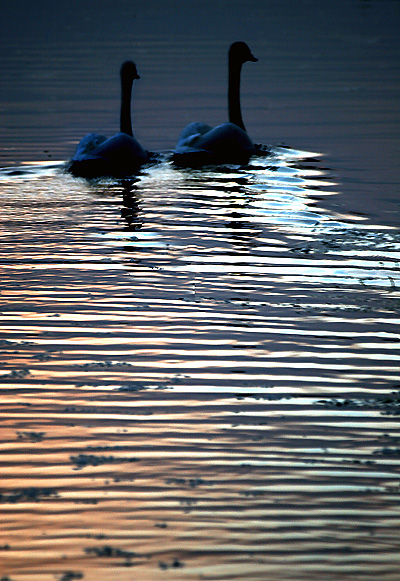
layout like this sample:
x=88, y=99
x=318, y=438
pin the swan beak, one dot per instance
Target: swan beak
x=138, y=76
x=252, y=58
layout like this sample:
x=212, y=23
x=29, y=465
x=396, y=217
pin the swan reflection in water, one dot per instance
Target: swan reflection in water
x=131, y=210
x=120, y=155
x=199, y=144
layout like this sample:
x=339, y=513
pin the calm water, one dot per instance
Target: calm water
x=200, y=369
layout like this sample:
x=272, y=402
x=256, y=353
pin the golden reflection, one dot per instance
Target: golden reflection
x=188, y=355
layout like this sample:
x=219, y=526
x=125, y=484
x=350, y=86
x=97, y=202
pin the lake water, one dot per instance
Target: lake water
x=200, y=368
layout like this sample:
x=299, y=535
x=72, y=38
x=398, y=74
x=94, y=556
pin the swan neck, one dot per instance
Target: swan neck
x=126, y=119
x=235, y=113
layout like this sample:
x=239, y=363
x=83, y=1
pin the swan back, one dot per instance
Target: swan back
x=88, y=144
x=121, y=148
x=119, y=156
x=226, y=143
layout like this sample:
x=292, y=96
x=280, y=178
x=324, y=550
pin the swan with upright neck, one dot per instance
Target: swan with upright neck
x=120, y=155
x=200, y=144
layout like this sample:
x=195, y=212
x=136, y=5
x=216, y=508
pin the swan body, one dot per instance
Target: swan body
x=120, y=155
x=200, y=144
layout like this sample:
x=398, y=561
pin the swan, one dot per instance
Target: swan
x=120, y=155
x=199, y=144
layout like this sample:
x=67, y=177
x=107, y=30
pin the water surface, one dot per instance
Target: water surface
x=200, y=369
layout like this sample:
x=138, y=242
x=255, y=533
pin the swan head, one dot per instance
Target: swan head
x=129, y=72
x=240, y=52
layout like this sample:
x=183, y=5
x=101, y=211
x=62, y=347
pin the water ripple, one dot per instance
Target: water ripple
x=200, y=376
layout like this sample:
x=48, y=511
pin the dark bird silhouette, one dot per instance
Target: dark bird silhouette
x=120, y=155
x=199, y=144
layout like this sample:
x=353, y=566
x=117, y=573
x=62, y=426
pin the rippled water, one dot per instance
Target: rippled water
x=200, y=377
x=200, y=368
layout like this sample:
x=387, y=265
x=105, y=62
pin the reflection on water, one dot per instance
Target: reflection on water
x=200, y=377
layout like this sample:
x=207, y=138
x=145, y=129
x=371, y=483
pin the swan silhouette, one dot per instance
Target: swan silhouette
x=120, y=155
x=199, y=144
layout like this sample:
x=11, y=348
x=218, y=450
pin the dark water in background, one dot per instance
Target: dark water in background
x=201, y=368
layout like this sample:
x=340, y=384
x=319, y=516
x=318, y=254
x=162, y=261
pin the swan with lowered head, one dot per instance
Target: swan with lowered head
x=120, y=155
x=199, y=144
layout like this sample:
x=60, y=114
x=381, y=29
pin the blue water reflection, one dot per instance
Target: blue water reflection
x=200, y=369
